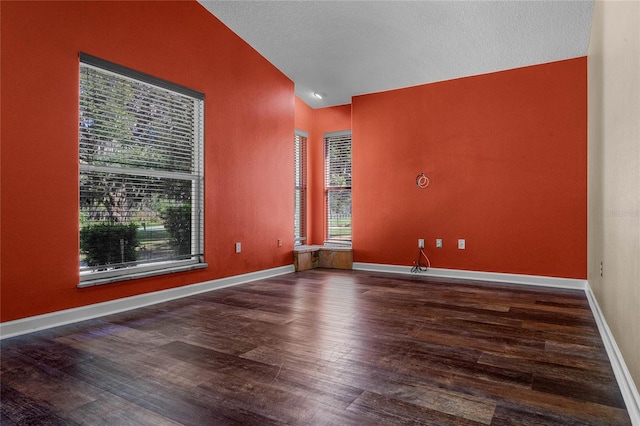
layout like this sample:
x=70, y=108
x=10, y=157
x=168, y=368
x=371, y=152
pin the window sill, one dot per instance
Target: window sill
x=141, y=274
x=325, y=247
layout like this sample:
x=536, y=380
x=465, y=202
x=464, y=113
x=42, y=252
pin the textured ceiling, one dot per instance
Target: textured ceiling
x=348, y=48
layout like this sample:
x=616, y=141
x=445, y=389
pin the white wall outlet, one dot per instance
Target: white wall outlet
x=238, y=247
x=462, y=244
x=438, y=242
x=420, y=243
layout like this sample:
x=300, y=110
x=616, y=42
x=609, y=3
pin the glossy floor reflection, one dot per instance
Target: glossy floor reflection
x=323, y=347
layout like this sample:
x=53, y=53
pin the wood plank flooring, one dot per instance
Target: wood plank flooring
x=323, y=347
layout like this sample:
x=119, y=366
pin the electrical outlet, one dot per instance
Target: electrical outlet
x=279, y=242
x=601, y=269
x=421, y=243
x=462, y=244
x=438, y=242
x=238, y=247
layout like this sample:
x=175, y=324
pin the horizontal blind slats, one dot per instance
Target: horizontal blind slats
x=134, y=75
x=338, y=161
x=337, y=154
x=300, y=188
x=141, y=164
x=113, y=120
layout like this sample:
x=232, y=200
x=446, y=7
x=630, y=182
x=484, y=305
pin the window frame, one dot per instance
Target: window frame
x=193, y=260
x=328, y=189
x=300, y=193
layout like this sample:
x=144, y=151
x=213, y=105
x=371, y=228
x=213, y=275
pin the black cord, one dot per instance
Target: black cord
x=418, y=267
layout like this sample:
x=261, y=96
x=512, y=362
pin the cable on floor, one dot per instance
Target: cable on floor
x=418, y=266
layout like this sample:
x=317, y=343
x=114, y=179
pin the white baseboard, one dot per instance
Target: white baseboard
x=623, y=377
x=569, y=283
x=625, y=381
x=68, y=316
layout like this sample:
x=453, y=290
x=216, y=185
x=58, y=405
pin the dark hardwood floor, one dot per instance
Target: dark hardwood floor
x=323, y=347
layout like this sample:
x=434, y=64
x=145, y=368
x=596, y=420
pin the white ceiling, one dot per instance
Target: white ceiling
x=348, y=48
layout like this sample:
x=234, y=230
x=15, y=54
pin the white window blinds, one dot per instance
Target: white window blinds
x=337, y=155
x=141, y=173
x=300, y=187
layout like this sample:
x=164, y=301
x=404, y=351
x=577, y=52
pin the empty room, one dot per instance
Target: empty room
x=309, y=212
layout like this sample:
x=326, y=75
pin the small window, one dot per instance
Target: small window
x=141, y=174
x=337, y=162
x=300, y=187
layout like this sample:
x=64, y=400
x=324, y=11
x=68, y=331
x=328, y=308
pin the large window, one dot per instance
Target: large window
x=337, y=175
x=141, y=174
x=300, y=187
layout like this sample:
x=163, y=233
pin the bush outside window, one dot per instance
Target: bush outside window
x=141, y=174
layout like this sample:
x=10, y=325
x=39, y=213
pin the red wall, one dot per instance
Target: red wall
x=303, y=116
x=325, y=120
x=317, y=122
x=506, y=154
x=304, y=122
x=249, y=109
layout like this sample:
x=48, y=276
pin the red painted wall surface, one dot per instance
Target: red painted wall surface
x=325, y=120
x=317, y=122
x=249, y=111
x=304, y=122
x=506, y=154
x=303, y=115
